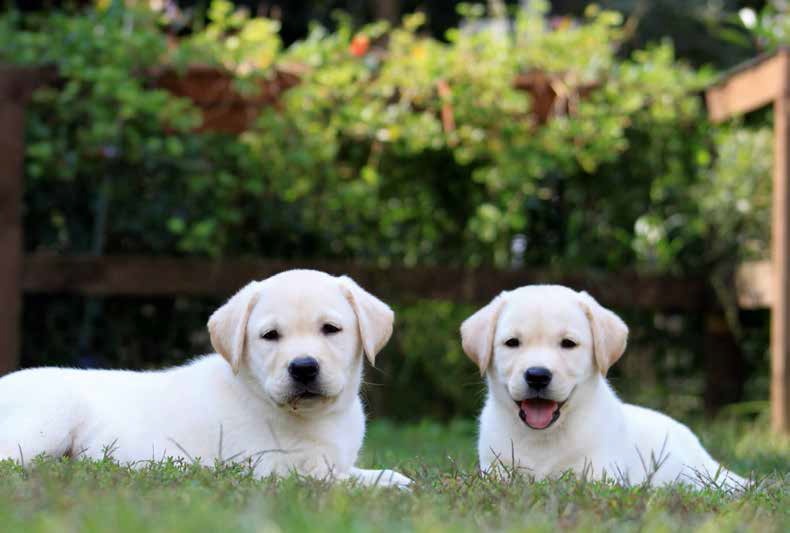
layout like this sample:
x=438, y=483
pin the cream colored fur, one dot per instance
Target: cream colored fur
x=238, y=404
x=596, y=434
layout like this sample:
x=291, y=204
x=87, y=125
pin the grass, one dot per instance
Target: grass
x=448, y=493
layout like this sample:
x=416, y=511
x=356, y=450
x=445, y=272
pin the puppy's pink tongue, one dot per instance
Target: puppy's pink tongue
x=538, y=413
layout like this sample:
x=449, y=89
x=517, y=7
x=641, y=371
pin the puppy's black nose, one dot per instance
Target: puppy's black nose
x=538, y=377
x=303, y=369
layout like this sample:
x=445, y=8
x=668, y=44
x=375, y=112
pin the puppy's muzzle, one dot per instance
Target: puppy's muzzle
x=304, y=370
x=538, y=377
x=536, y=410
x=305, y=373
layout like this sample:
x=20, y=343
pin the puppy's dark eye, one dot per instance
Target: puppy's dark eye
x=329, y=329
x=271, y=335
x=568, y=344
x=513, y=343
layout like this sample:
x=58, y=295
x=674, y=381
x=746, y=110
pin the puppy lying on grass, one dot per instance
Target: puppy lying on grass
x=545, y=350
x=282, y=393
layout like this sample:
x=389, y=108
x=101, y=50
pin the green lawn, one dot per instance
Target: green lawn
x=448, y=494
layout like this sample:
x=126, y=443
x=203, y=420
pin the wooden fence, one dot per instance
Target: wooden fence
x=766, y=81
x=16, y=86
x=161, y=276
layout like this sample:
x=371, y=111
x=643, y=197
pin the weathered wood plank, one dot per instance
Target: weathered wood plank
x=752, y=87
x=780, y=249
x=11, y=150
x=204, y=277
x=16, y=85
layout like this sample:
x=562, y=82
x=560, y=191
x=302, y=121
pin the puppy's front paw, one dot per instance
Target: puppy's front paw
x=390, y=478
x=382, y=478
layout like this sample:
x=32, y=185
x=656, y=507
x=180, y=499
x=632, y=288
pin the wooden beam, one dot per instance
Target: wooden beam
x=752, y=86
x=16, y=85
x=780, y=249
x=145, y=276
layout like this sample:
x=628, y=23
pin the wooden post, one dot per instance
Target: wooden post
x=780, y=248
x=16, y=86
x=748, y=87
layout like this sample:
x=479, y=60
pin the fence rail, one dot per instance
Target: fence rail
x=164, y=276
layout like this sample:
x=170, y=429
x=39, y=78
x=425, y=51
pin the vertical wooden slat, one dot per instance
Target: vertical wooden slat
x=11, y=118
x=16, y=86
x=780, y=237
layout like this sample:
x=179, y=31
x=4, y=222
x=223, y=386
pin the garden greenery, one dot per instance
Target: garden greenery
x=393, y=148
x=358, y=159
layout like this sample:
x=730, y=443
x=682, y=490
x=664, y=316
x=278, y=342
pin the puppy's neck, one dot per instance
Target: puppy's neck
x=592, y=392
x=593, y=405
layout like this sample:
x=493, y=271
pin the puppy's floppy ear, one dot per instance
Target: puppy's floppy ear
x=477, y=333
x=609, y=332
x=227, y=326
x=375, y=318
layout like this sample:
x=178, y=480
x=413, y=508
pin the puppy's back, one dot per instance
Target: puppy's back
x=662, y=439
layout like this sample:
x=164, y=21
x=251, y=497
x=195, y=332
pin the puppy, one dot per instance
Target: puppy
x=282, y=392
x=545, y=350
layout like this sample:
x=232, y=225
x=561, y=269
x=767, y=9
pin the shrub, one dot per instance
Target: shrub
x=357, y=157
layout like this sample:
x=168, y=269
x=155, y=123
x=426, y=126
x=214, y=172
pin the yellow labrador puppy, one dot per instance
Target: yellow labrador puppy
x=282, y=391
x=545, y=350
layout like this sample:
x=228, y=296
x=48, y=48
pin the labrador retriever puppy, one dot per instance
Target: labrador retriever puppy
x=545, y=351
x=282, y=391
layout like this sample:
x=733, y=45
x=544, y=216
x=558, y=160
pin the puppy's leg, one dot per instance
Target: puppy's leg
x=39, y=414
x=34, y=428
x=715, y=475
x=22, y=439
x=380, y=478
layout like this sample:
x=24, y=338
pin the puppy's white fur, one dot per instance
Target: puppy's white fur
x=240, y=404
x=596, y=434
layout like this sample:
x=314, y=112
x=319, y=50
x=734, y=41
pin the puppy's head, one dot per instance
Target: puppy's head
x=538, y=343
x=300, y=335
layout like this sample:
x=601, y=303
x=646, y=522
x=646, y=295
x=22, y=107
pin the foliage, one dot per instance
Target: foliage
x=104, y=130
x=452, y=383
x=449, y=494
x=724, y=216
x=704, y=32
x=735, y=199
x=395, y=147
x=375, y=117
x=359, y=158
x=231, y=40
x=769, y=27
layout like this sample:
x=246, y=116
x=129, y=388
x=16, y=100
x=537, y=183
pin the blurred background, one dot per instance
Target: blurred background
x=558, y=136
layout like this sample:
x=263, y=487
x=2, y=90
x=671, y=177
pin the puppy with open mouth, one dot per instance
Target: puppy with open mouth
x=545, y=351
x=281, y=393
